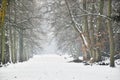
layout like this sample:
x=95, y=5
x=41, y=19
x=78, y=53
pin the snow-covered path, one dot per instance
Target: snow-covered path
x=55, y=67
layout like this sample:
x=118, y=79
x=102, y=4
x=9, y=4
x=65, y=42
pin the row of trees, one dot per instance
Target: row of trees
x=89, y=28
x=94, y=24
x=18, y=38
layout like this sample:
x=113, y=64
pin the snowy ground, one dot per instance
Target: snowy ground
x=53, y=67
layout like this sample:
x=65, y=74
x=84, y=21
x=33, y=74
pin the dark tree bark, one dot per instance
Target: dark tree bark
x=110, y=31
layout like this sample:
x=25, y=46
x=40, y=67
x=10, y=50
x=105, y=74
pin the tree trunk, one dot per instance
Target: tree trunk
x=99, y=26
x=92, y=34
x=86, y=31
x=3, y=45
x=2, y=18
x=15, y=33
x=110, y=31
x=21, y=55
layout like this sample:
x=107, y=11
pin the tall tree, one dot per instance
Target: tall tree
x=86, y=29
x=99, y=30
x=2, y=28
x=110, y=31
